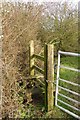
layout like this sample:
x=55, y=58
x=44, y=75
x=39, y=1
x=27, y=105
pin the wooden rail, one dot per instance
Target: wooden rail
x=39, y=57
x=39, y=69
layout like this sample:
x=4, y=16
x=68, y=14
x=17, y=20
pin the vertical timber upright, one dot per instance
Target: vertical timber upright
x=49, y=76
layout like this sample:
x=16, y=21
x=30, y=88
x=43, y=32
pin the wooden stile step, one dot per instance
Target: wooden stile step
x=33, y=77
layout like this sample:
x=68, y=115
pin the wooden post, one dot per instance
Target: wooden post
x=49, y=76
x=45, y=76
x=31, y=50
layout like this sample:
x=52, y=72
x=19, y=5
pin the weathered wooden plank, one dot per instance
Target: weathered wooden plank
x=33, y=77
x=39, y=57
x=40, y=82
x=36, y=77
x=39, y=69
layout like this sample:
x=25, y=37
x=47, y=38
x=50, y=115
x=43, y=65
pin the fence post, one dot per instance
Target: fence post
x=31, y=50
x=49, y=76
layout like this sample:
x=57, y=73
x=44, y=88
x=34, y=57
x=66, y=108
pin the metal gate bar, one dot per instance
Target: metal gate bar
x=69, y=112
x=69, y=53
x=77, y=102
x=69, y=82
x=73, y=92
x=66, y=89
x=68, y=68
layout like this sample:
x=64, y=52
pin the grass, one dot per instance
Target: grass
x=71, y=61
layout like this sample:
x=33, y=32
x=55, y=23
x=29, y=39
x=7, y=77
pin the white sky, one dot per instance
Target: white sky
x=73, y=1
x=40, y=1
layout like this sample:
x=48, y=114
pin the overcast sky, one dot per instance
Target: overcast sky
x=73, y=1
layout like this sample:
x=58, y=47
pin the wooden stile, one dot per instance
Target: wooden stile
x=48, y=72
